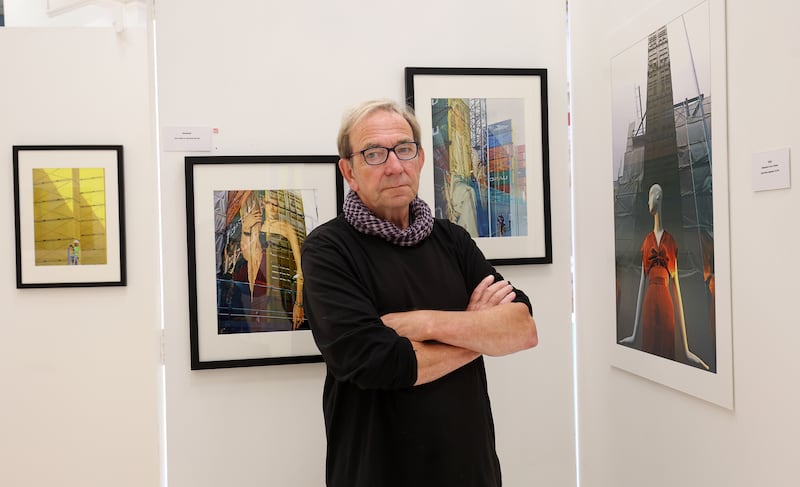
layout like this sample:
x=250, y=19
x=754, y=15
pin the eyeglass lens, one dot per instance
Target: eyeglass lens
x=378, y=155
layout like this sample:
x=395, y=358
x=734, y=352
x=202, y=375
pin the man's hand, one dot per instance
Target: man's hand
x=418, y=325
x=489, y=293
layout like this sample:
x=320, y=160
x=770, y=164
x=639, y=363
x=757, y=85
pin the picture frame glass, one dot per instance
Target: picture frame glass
x=69, y=216
x=670, y=187
x=248, y=218
x=484, y=137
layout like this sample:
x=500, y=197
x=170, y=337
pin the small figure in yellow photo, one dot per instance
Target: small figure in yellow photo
x=74, y=253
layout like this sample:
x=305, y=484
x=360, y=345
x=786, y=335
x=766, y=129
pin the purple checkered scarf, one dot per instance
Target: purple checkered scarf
x=365, y=221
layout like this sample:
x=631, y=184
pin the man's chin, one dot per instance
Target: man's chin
x=400, y=200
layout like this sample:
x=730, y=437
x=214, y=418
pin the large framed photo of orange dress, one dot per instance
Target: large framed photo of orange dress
x=670, y=186
x=247, y=219
x=69, y=215
x=485, y=136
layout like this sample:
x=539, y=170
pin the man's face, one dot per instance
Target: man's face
x=386, y=189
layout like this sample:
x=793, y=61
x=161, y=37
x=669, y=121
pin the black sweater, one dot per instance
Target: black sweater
x=381, y=430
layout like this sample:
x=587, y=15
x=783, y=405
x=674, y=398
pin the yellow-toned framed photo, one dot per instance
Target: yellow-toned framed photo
x=69, y=215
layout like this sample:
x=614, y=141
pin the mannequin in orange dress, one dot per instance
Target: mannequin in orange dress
x=659, y=310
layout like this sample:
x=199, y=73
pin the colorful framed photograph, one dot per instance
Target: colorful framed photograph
x=69, y=215
x=247, y=218
x=485, y=136
x=670, y=184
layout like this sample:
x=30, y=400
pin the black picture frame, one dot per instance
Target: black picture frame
x=243, y=289
x=485, y=136
x=69, y=216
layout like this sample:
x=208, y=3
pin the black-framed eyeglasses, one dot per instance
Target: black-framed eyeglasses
x=375, y=156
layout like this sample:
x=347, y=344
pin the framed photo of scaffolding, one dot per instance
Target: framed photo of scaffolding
x=485, y=138
x=247, y=218
x=670, y=181
x=69, y=215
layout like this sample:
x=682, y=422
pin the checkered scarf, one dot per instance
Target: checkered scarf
x=365, y=221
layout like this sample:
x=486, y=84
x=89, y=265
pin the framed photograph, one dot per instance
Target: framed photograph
x=247, y=218
x=69, y=215
x=485, y=137
x=670, y=183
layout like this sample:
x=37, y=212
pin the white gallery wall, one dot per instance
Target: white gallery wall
x=274, y=78
x=634, y=432
x=79, y=367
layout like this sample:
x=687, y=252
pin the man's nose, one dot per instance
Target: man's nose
x=393, y=164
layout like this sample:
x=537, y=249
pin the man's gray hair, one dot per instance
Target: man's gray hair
x=355, y=115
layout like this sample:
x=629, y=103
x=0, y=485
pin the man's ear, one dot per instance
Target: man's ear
x=347, y=173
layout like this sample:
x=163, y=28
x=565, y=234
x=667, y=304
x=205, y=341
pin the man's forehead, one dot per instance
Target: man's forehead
x=380, y=121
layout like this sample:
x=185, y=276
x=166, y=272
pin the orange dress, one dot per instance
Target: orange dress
x=658, y=311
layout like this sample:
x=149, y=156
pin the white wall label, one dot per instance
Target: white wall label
x=186, y=139
x=771, y=170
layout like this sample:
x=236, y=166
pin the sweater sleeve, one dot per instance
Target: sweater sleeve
x=356, y=346
x=476, y=266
